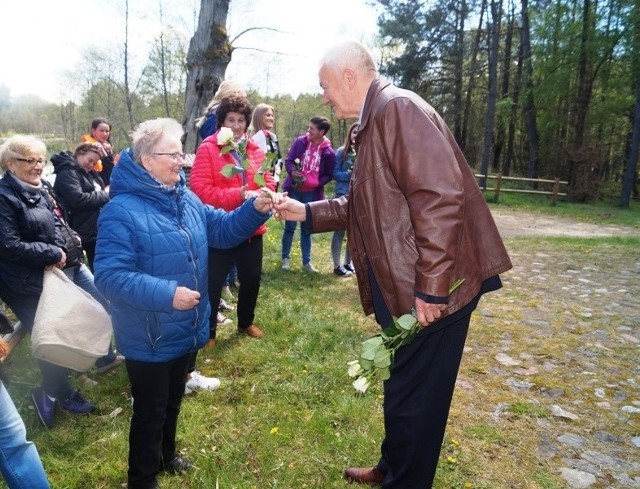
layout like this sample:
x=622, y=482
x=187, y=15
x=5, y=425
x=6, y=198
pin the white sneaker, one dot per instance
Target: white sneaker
x=199, y=381
x=226, y=293
x=222, y=319
x=286, y=264
x=310, y=268
x=225, y=306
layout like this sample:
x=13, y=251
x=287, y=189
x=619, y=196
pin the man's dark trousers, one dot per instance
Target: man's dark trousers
x=417, y=398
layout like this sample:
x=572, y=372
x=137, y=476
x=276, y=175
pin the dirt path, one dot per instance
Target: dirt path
x=519, y=223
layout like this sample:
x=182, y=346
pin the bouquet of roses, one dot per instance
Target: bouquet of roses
x=227, y=145
x=376, y=359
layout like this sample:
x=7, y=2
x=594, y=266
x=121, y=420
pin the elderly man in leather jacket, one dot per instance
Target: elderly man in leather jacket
x=416, y=223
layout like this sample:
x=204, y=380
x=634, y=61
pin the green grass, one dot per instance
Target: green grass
x=286, y=415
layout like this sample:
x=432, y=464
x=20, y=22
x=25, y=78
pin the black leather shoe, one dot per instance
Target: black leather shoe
x=177, y=465
x=364, y=475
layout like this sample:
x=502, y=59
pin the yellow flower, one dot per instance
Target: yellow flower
x=274, y=430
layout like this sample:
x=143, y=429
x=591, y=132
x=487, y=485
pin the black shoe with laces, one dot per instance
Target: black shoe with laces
x=177, y=465
x=341, y=271
x=349, y=268
x=77, y=404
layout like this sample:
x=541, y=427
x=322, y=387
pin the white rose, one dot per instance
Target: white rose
x=361, y=384
x=225, y=135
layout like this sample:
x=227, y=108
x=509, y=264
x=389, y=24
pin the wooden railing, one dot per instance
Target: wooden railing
x=499, y=179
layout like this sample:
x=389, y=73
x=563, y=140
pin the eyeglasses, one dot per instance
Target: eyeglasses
x=174, y=156
x=31, y=162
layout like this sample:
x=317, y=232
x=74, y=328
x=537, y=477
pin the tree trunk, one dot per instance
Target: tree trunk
x=494, y=39
x=631, y=173
x=472, y=70
x=504, y=91
x=127, y=90
x=630, y=177
x=458, y=72
x=579, y=188
x=529, y=105
x=515, y=103
x=207, y=60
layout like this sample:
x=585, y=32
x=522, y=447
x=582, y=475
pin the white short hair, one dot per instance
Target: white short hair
x=349, y=54
x=148, y=133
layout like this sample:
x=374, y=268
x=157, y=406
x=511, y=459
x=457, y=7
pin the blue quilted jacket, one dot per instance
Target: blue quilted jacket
x=152, y=239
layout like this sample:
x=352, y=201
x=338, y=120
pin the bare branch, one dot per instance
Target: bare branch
x=264, y=51
x=256, y=29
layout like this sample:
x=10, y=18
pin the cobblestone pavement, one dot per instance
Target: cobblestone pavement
x=568, y=340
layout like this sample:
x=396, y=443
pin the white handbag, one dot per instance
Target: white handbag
x=71, y=328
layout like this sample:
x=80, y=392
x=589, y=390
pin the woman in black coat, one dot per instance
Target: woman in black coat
x=82, y=192
x=30, y=243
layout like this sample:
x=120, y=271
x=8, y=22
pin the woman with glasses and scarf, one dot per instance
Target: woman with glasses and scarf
x=30, y=243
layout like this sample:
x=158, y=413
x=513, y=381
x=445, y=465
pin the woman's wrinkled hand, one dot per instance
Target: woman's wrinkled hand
x=185, y=299
x=262, y=204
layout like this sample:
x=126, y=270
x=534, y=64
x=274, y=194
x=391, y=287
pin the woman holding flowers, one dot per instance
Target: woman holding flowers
x=228, y=169
x=309, y=165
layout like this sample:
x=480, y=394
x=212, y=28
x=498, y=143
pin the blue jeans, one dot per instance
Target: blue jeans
x=336, y=246
x=232, y=276
x=305, y=230
x=83, y=278
x=19, y=460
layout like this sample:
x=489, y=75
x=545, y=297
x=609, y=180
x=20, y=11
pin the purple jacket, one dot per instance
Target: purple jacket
x=327, y=162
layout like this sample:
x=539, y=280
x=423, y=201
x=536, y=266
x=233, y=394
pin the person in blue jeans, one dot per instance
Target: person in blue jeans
x=20, y=462
x=309, y=165
x=345, y=159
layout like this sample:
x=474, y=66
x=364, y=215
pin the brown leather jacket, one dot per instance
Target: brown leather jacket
x=414, y=212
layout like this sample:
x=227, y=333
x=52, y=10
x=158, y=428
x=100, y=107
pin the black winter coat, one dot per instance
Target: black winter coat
x=81, y=193
x=29, y=239
x=73, y=243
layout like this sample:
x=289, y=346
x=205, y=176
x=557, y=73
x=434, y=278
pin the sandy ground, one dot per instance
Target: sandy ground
x=518, y=223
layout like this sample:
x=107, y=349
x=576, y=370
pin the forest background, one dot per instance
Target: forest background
x=539, y=89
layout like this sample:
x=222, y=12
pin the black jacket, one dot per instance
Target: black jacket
x=82, y=194
x=73, y=243
x=29, y=239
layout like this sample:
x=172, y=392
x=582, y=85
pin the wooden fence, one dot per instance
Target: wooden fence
x=499, y=179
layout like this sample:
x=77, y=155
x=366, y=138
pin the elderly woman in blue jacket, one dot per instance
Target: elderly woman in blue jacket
x=151, y=263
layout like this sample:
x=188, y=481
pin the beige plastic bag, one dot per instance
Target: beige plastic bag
x=71, y=328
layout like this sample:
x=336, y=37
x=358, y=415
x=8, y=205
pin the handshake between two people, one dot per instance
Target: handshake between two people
x=282, y=206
